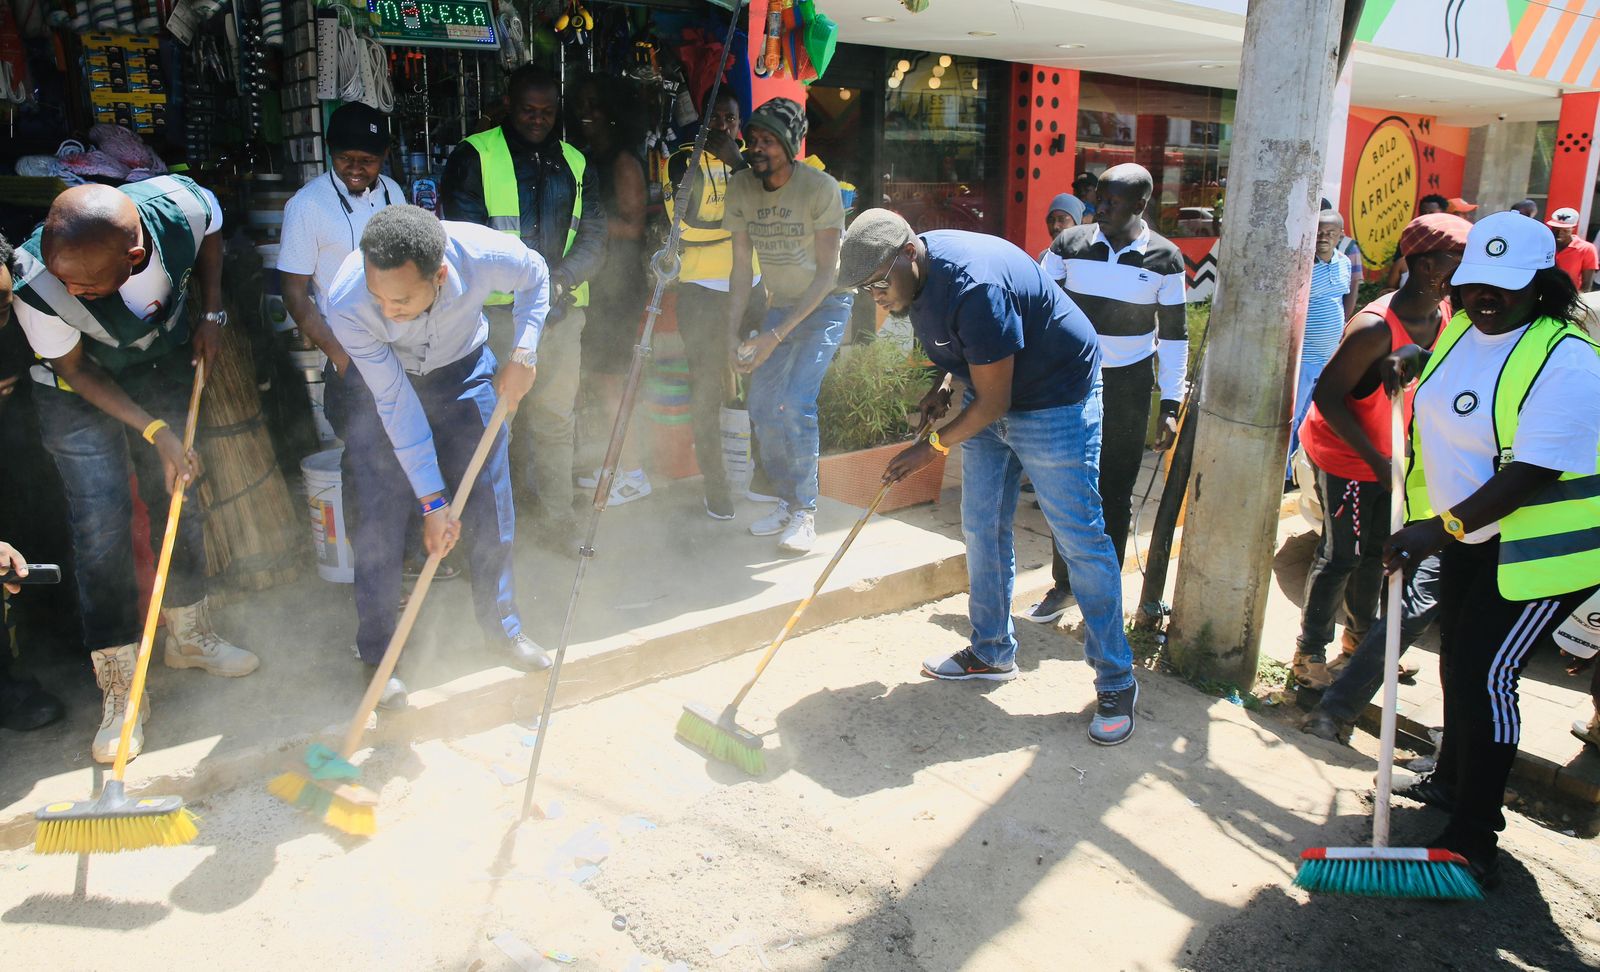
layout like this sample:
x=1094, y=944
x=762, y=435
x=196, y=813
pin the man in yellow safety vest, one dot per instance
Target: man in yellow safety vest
x=520, y=178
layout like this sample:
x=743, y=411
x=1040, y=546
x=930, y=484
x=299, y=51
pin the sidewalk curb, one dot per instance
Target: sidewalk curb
x=500, y=695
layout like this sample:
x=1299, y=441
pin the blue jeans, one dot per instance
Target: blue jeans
x=783, y=399
x=457, y=400
x=1363, y=674
x=1059, y=449
x=92, y=450
x=1310, y=371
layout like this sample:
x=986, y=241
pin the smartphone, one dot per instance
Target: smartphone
x=37, y=574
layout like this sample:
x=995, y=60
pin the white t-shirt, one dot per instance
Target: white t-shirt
x=1558, y=427
x=323, y=222
x=145, y=293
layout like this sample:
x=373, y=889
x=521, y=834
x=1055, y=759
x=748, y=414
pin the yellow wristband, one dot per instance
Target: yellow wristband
x=939, y=447
x=150, y=430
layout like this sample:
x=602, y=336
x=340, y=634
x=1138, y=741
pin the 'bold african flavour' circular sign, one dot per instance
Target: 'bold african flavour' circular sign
x=1383, y=193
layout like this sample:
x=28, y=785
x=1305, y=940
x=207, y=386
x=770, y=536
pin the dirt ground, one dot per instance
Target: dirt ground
x=903, y=824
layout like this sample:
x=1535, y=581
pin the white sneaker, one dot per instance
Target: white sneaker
x=801, y=533
x=773, y=522
x=113, y=672
x=589, y=480
x=193, y=643
x=629, y=486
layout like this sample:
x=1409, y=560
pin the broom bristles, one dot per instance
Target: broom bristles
x=111, y=835
x=719, y=743
x=1405, y=876
x=341, y=813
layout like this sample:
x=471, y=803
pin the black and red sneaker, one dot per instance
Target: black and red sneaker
x=964, y=665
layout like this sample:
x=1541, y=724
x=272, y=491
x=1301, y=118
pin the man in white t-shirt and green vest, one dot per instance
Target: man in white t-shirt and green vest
x=101, y=294
x=520, y=178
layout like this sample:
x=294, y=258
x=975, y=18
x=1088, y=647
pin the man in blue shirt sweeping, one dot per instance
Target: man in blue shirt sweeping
x=408, y=309
x=986, y=314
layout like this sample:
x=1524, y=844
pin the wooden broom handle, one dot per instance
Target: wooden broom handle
x=408, y=617
x=799, y=609
x=152, y=616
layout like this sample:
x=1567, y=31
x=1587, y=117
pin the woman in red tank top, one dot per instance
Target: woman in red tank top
x=1346, y=437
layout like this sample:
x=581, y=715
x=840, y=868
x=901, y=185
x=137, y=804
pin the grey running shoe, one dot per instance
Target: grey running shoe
x=1113, y=717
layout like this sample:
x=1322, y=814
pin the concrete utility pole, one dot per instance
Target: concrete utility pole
x=1287, y=74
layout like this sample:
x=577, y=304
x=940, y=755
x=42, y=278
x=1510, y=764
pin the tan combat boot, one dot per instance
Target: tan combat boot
x=1310, y=671
x=113, y=671
x=193, y=643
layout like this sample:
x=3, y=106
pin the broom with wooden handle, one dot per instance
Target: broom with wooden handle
x=719, y=736
x=326, y=786
x=115, y=821
x=1381, y=871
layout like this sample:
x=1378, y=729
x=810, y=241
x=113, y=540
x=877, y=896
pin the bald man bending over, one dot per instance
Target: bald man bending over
x=101, y=295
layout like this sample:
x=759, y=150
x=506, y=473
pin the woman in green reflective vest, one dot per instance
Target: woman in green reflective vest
x=1503, y=485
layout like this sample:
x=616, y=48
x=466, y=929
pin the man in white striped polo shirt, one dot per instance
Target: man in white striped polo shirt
x=1129, y=280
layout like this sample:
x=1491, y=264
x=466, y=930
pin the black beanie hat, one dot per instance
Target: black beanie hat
x=360, y=128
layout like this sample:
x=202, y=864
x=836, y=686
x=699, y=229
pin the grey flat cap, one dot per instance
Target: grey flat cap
x=869, y=243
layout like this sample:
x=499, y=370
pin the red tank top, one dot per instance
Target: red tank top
x=1324, y=447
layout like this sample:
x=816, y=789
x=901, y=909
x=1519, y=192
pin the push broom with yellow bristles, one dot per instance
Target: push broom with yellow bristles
x=326, y=787
x=115, y=821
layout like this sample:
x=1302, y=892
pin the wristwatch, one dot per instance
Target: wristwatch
x=1453, y=525
x=219, y=318
x=939, y=447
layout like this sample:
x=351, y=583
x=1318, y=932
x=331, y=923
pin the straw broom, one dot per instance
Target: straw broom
x=115, y=821
x=252, y=523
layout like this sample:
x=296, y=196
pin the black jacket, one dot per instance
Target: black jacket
x=544, y=190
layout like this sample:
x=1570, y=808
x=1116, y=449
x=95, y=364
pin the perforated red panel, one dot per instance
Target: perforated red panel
x=1042, y=141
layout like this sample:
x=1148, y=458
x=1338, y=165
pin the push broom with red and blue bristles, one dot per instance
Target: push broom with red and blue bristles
x=1381, y=871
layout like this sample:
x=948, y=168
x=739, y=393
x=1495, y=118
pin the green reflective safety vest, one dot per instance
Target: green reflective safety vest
x=175, y=213
x=1551, y=544
x=504, y=203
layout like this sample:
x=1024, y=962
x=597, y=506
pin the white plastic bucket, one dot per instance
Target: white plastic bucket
x=325, y=502
x=736, y=459
x=310, y=364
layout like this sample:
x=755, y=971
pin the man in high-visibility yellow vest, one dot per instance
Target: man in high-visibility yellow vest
x=522, y=179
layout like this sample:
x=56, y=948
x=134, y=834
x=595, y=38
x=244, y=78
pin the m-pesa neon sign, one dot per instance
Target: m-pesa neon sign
x=419, y=23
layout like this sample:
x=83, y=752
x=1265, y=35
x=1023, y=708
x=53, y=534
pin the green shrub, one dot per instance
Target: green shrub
x=868, y=395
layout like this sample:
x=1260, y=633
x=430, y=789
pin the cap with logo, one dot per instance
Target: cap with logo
x=356, y=127
x=1504, y=250
x=1564, y=218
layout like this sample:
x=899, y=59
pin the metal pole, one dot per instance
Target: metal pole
x=665, y=265
x=1289, y=65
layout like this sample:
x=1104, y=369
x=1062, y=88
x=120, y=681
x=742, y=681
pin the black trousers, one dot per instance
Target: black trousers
x=1484, y=641
x=1347, y=568
x=1126, y=394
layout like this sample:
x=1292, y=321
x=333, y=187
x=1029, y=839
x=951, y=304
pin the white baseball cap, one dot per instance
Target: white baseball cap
x=1563, y=218
x=1504, y=250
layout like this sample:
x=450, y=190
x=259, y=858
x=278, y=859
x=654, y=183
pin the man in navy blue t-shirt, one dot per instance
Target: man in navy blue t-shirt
x=986, y=313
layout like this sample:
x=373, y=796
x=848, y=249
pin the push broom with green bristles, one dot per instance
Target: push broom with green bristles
x=326, y=787
x=1381, y=871
x=719, y=736
x=115, y=821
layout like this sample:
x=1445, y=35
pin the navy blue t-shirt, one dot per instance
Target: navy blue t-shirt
x=985, y=301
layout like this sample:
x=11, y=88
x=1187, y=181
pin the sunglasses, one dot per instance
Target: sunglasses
x=882, y=283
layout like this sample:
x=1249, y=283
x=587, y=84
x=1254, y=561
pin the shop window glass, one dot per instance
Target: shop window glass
x=941, y=155
x=1544, y=153
x=1182, y=134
